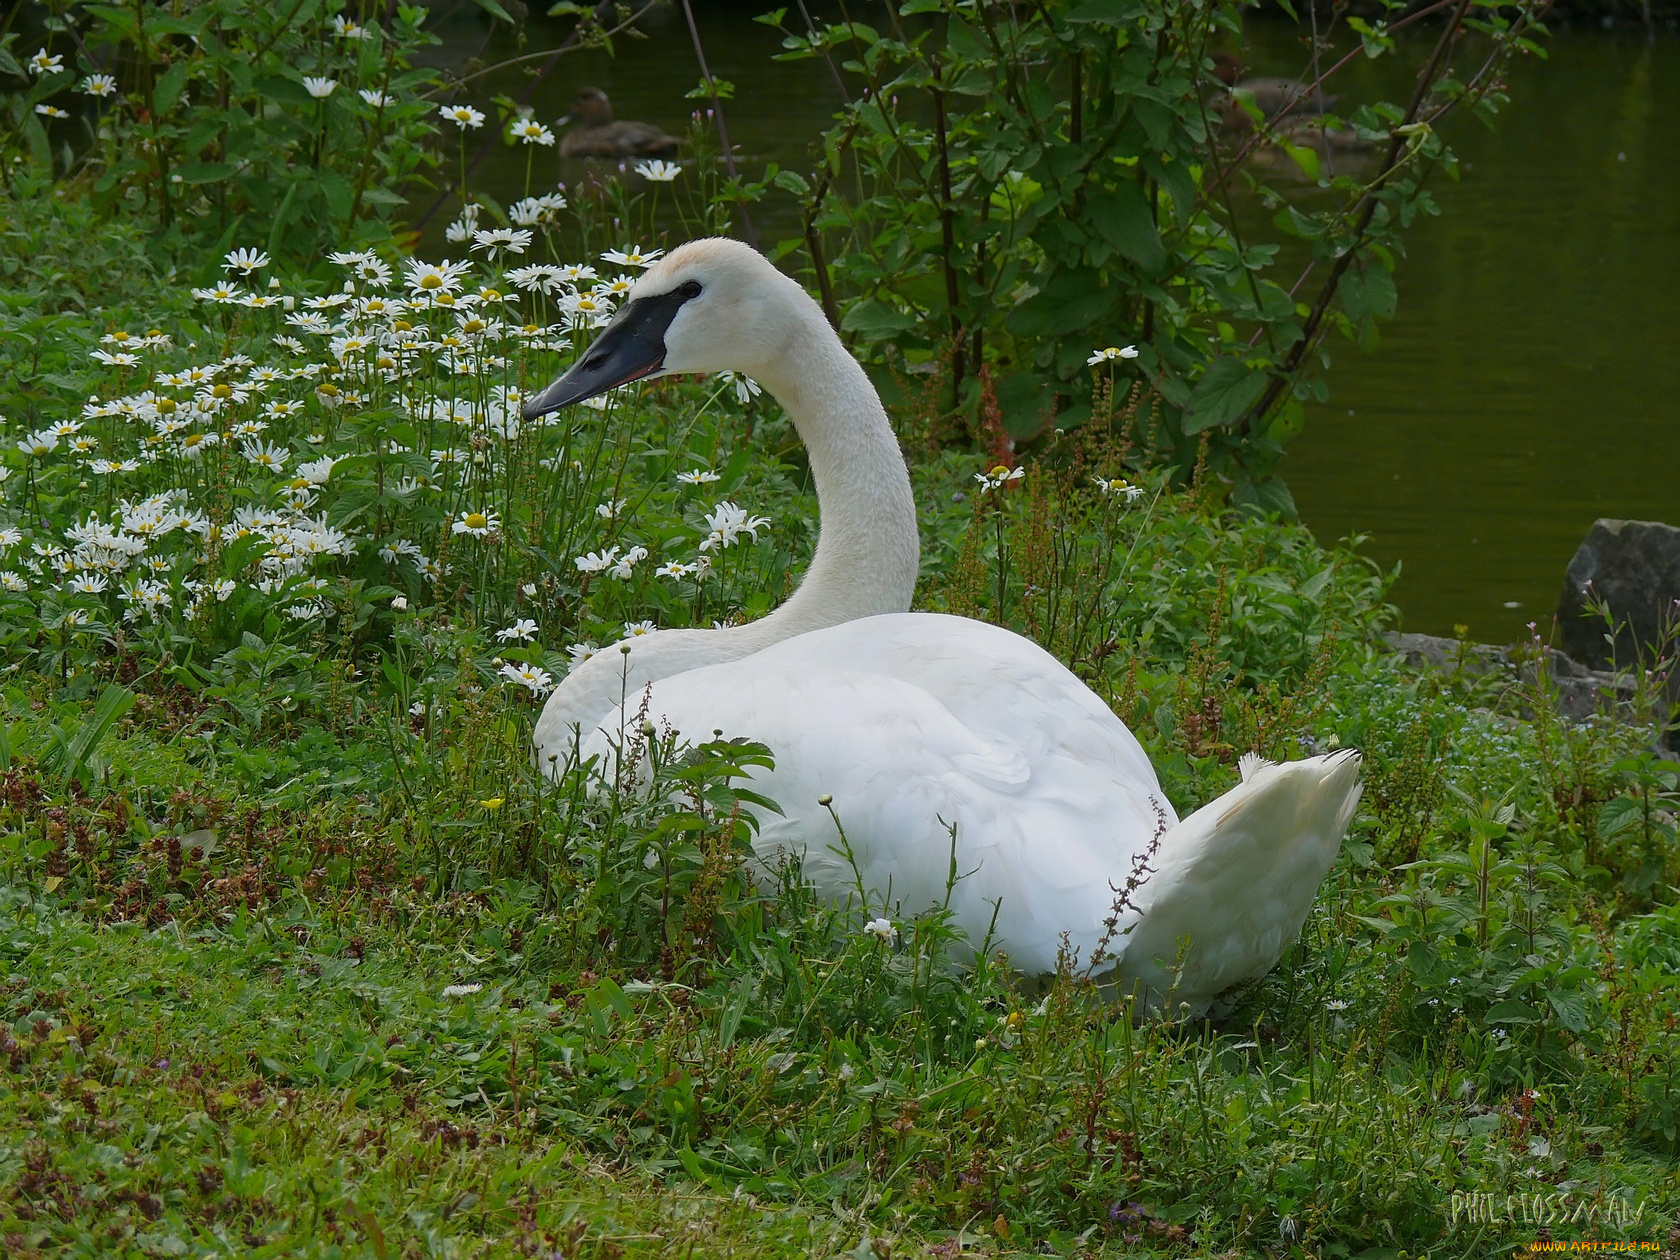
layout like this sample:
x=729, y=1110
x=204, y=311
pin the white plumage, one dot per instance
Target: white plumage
x=914, y=722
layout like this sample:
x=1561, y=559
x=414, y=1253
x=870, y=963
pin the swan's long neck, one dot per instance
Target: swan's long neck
x=868, y=549
x=867, y=553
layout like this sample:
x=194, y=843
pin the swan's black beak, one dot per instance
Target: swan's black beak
x=628, y=349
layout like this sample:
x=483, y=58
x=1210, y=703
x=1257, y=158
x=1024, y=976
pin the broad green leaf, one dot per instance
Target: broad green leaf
x=874, y=319
x=1127, y=222
x=203, y=172
x=113, y=703
x=1225, y=391
x=287, y=91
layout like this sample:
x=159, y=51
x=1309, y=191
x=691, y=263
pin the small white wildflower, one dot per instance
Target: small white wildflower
x=522, y=631
x=596, y=561
x=478, y=524
x=463, y=116
x=882, y=929
x=658, y=172
x=537, y=681
x=1110, y=353
x=319, y=87
x=998, y=477
x=245, y=261
x=632, y=256
x=528, y=131
x=460, y=990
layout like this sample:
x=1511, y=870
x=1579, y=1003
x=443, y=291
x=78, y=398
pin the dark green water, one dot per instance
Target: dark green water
x=1530, y=381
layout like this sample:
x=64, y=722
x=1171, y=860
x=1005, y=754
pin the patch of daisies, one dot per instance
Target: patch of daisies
x=184, y=462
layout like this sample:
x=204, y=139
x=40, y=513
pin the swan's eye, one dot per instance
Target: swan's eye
x=689, y=288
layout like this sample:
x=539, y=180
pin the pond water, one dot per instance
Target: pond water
x=1531, y=380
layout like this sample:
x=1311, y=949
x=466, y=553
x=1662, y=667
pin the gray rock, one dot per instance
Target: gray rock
x=1633, y=569
x=1581, y=692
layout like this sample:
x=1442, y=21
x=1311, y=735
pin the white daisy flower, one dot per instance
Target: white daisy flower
x=529, y=131
x=478, y=524
x=521, y=631
x=537, y=681
x=632, y=256
x=463, y=116
x=1110, y=353
x=319, y=87
x=658, y=172
x=245, y=261
x=998, y=477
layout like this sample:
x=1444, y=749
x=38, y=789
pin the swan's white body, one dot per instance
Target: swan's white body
x=914, y=722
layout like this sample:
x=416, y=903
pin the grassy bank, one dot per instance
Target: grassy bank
x=302, y=958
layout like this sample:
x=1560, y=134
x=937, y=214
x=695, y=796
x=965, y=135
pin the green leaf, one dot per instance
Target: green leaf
x=287, y=91
x=1106, y=12
x=282, y=216
x=1306, y=159
x=113, y=703
x=1511, y=1011
x=203, y=172
x=740, y=997
x=338, y=192
x=494, y=9
x=875, y=319
x=1126, y=221
x=1367, y=293
x=168, y=89
x=1226, y=390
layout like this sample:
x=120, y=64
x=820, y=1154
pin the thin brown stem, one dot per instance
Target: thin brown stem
x=1367, y=210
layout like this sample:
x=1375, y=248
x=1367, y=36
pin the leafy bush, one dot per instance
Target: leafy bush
x=1035, y=182
x=290, y=127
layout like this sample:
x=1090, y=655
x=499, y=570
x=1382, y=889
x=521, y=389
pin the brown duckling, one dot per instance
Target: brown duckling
x=595, y=134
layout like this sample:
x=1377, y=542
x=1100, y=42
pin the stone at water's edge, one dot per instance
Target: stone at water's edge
x=1633, y=568
x=1581, y=692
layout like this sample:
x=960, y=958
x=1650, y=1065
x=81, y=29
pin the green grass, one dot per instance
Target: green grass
x=247, y=862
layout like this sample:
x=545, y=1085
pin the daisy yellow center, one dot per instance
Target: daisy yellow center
x=165, y=406
x=222, y=391
x=119, y=336
x=431, y=282
x=446, y=299
x=474, y=325
x=477, y=520
x=1000, y=471
x=402, y=325
x=490, y=295
x=327, y=388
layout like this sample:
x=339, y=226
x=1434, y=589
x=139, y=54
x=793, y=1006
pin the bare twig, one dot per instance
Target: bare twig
x=1367, y=209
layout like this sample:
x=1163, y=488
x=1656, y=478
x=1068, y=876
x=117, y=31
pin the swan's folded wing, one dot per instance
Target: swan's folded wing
x=1236, y=878
x=999, y=685
x=1040, y=837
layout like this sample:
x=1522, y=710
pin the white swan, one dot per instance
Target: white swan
x=914, y=721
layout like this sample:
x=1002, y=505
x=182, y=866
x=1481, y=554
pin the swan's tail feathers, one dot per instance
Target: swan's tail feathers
x=1234, y=881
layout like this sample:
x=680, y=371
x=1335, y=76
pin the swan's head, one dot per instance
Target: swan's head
x=707, y=306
